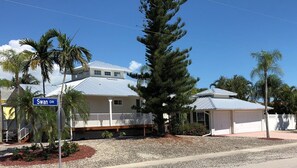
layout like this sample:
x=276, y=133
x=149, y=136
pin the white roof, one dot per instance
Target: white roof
x=6, y=92
x=107, y=66
x=215, y=92
x=100, y=87
x=209, y=103
x=39, y=88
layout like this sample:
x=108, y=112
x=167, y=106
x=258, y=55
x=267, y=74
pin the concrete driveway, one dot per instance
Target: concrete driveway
x=273, y=134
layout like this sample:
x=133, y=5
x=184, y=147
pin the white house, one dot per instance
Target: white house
x=222, y=113
x=108, y=96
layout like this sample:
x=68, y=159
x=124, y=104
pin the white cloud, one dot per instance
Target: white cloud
x=134, y=66
x=15, y=45
x=56, y=76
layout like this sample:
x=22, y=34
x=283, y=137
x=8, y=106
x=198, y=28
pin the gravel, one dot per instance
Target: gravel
x=123, y=151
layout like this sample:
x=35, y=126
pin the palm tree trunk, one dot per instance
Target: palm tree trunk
x=43, y=87
x=265, y=102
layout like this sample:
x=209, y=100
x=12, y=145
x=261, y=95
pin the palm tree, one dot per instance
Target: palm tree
x=266, y=64
x=273, y=84
x=14, y=62
x=222, y=83
x=68, y=54
x=74, y=102
x=30, y=114
x=237, y=84
x=42, y=55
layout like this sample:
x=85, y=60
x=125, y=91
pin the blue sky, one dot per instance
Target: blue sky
x=222, y=33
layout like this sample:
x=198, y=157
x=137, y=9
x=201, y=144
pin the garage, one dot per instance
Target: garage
x=247, y=121
x=223, y=124
x=229, y=115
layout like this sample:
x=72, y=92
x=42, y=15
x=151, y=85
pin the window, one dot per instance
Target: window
x=107, y=73
x=118, y=102
x=97, y=72
x=117, y=74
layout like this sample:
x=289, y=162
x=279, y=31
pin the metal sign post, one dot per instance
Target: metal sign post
x=45, y=101
x=59, y=130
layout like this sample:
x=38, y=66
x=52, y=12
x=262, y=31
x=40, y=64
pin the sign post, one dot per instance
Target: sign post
x=45, y=101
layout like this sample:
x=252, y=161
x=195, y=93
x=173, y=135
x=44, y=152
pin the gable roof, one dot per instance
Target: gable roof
x=6, y=92
x=215, y=92
x=100, y=87
x=107, y=66
x=39, y=88
x=209, y=103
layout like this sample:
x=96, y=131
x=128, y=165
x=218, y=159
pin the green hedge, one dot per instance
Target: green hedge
x=192, y=129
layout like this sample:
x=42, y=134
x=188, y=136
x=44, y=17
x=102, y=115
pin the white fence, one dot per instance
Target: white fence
x=282, y=121
x=118, y=119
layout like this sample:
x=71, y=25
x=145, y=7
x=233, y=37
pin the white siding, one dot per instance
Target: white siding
x=221, y=122
x=247, y=121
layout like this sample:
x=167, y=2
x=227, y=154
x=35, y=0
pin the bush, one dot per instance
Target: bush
x=107, y=134
x=16, y=154
x=192, y=129
x=69, y=148
x=122, y=134
x=34, y=147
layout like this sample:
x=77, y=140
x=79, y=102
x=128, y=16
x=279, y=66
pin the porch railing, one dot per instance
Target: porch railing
x=23, y=132
x=118, y=119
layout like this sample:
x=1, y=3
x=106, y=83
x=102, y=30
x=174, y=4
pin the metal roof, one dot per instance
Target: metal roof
x=100, y=87
x=39, y=88
x=209, y=103
x=107, y=66
x=6, y=92
x=215, y=92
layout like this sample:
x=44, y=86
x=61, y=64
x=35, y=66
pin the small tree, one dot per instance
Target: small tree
x=42, y=55
x=266, y=64
x=168, y=83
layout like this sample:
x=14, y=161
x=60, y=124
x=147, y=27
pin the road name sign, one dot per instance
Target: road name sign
x=45, y=101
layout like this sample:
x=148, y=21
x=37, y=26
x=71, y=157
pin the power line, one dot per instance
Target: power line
x=73, y=15
x=254, y=12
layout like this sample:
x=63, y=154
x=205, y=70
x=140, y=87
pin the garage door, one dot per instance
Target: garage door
x=247, y=121
x=221, y=122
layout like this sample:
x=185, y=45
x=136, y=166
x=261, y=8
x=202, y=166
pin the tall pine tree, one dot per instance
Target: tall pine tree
x=168, y=84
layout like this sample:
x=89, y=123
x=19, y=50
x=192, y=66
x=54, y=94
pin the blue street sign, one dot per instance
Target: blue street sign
x=44, y=101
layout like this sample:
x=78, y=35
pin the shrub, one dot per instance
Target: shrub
x=34, y=147
x=69, y=148
x=122, y=134
x=16, y=154
x=107, y=134
x=192, y=129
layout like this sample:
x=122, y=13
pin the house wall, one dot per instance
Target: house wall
x=101, y=104
x=105, y=70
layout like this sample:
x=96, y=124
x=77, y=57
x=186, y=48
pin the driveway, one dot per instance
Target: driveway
x=273, y=134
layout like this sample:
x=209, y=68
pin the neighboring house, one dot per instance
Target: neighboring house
x=109, y=98
x=222, y=113
x=8, y=113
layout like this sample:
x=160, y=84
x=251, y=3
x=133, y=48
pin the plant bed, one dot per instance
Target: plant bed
x=26, y=156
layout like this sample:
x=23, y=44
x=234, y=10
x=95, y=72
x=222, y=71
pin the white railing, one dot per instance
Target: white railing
x=24, y=132
x=118, y=119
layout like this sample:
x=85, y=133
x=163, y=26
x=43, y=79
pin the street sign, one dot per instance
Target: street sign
x=44, y=101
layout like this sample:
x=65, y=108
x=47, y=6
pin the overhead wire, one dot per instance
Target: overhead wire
x=254, y=12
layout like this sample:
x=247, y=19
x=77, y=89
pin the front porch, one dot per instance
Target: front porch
x=103, y=121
